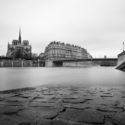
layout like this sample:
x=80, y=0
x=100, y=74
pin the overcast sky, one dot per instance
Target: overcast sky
x=97, y=25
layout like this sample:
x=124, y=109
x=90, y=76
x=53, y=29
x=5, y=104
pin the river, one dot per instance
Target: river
x=12, y=78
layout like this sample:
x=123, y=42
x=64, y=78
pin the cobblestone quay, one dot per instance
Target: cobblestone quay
x=62, y=106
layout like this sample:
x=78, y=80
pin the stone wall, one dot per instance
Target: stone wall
x=51, y=63
x=121, y=59
x=21, y=63
x=83, y=63
x=77, y=64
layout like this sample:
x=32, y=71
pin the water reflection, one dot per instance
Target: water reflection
x=90, y=76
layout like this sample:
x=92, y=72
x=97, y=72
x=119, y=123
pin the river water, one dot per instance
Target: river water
x=11, y=78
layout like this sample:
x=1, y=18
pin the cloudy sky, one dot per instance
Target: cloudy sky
x=97, y=25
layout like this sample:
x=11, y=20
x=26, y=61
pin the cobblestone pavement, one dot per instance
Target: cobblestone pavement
x=63, y=106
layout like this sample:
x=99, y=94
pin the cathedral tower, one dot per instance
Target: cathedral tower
x=19, y=36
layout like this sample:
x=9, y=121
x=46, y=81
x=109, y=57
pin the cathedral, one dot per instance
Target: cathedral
x=19, y=49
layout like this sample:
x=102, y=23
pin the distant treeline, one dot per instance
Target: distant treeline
x=9, y=58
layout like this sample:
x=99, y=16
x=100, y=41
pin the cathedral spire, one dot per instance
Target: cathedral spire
x=8, y=45
x=20, y=35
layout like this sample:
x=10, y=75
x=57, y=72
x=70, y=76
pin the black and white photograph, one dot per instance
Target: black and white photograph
x=62, y=62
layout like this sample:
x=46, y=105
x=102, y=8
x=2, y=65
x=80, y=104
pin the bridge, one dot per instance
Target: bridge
x=59, y=62
x=81, y=62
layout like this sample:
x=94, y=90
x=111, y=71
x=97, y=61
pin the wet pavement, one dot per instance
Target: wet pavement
x=63, y=106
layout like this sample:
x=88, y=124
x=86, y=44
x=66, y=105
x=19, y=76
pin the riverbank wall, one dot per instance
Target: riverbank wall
x=121, y=61
x=51, y=63
x=81, y=63
x=21, y=63
x=77, y=64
